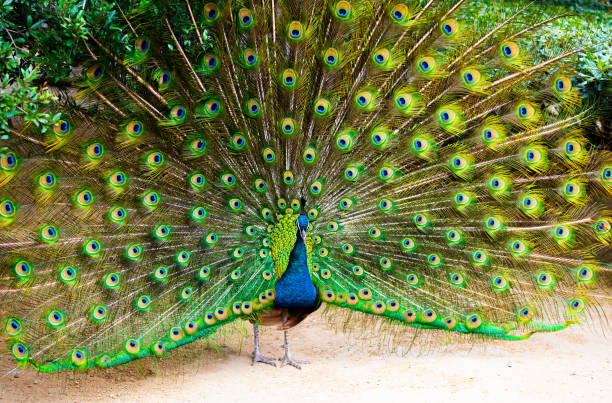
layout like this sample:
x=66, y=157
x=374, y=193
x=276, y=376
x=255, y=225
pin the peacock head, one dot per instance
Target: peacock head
x=302, y=225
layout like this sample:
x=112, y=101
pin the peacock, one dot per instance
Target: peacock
x=386, y=157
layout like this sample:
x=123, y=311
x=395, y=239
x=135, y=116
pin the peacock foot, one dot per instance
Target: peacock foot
x=287, y=360
x=262, y=358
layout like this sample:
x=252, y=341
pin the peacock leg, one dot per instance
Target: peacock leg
x=286, y=359
x=256, y=356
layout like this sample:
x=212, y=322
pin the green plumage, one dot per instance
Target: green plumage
x=445, y=175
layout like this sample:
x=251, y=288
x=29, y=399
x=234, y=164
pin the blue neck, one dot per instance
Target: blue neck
x=295, y=288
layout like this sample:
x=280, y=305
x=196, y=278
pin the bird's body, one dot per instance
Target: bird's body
x=442, y=173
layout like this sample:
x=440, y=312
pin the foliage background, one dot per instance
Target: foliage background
x=43, y=41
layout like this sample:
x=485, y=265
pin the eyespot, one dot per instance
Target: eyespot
x=111, y=280
x=142, y=45
x=289, y=78
x=228, y=179
x=281, y=203
x=456, y=279
x=364, y=293
x=204, y=273
x=412, y=279
x=12, y=327
x=198, y=146
x=474, y=321
x=295, y=204
x=585, y=273
x=408, y=244
x=497, y=184
x=572, y=148
x=379, y=137
x=606, y=174
x=264, y=253
x=8, y=160
x=182, y=258
x=212, y=107
x=480, y=257
x=571, y=189
x=94, y=73
x=351, y=173
x=386, y=263
x=518, y=247
x=132, y=346
x=99, y=313
x=434, y=260
x=420, y=145
x=186, y=294
x=95, y=151
x=331, y=57
x=420, y=220
x=20, y=352
x=295, y=31
x=235, y=274
x=163, y=79
x=447, y=116
x=134, y=128
x=342, y=10
x=499, y=283
x=490, y=135
x=238, y=252
x=450, y=322
x=509, y=50
x=529, y=203
x=198, y=213
x=267, y=275
x=403, y=101
x=92, y=247
x=492, y=223
x=266, y=213
x=563, y=85
x=159, y=348
x=426, y=65
x=151, y=199
x=288, y=177
x=429, y=315
x=160, y=273
x=310, y=155
x=176, y=334
x=381, y=57
x=577, y=305
x=117, y=179
x=62, y=128
x=211, y=238
x=409, y=316
x=245, y=18
x=68, y=274
x=561, y=232
x=449, y=27
x=133, y=252
x=49, y=234
x=321, y=107
x=211, y=12
x=316, y=187
x=269, y=155
x=379, y=307
x=385, y=205
x=458, y=163
x=332, y=226
x=288, y=126
x=544, y=279
x=525, y=314
x=454, y=236
x=525, y=111
x=55, y=318
x=386, y=173
x=399, y=14
x=178, y=113
x=364, y=99
x=22, y=269
x=78, y=357
x=374, y=233
x=322, y=252
x=210, y=62
x=461, y=199
x=602, y=227
x=348, y=248
x=313, y=213
x=7, y=209
x=345, y=203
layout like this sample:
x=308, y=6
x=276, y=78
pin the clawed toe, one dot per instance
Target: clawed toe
x=287, y=360
x=262, y=358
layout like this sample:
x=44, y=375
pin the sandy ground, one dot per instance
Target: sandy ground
x=574, y=365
